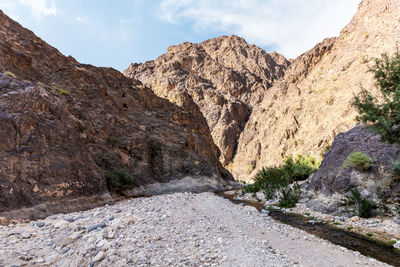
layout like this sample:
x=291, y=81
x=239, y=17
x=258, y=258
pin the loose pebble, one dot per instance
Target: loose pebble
x=179, y=229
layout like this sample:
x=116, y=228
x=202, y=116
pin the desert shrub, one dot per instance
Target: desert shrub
x=10, y=74
x=358, y=160
x=270, y=180
x=290, y=195
x=119, y=180
x=252, y=188
x=396, y=166
x=362, y=207
x=300, y=167
x=63, y=92
x=382, y=112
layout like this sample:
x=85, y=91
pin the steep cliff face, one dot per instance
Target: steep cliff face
x=225, y=76
x=64, y=124
x=328, y=188
x=332, y=178
x=303, y=112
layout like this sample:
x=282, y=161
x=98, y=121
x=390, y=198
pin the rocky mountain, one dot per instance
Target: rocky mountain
x=311, y=104
x=63, y=125
x=225, y=76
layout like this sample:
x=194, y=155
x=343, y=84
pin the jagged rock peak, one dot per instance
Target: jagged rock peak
x=225, y=76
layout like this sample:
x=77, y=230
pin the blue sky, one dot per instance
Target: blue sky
x=118, y=32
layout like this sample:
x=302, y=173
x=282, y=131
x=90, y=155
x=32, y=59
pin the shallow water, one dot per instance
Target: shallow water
x=353, y=241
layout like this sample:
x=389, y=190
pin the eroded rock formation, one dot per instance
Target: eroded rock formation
x=225, y=76
x=304, y=111
x=64, y=124
x=333, y=179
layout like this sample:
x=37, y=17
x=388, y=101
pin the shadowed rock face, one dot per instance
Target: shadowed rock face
x=64, y=124
x=302, y=113
x=225, y=76
x=333, y=179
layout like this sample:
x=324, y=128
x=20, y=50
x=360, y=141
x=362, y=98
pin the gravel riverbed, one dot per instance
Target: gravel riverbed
x=180, y=229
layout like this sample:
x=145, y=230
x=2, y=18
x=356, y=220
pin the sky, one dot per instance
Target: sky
x=118, y=32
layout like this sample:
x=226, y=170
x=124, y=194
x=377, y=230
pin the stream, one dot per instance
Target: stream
x=353, y=241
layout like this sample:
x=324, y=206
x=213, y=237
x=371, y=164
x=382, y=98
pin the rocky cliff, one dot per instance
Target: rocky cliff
x=303, y=112
x=225, y=76
x=64, y=124
x=332, y=182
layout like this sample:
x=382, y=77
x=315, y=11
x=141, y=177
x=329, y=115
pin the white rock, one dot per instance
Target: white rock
x=99, y=257
x=101, y=243
x=75, y=235
x=40, y=260
x=61, y=224
x=26, y=235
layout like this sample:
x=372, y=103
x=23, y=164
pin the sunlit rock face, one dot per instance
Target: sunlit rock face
x=303, y=112
x=225, y=77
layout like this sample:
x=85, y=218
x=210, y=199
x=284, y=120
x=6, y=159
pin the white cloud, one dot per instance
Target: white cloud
x=40, y=8
x=122, y=21
x=290, y=26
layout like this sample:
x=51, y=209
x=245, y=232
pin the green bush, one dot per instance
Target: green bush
x=362, y=207
x=300, y=168
x=119, y=180
x=358, y=160
x=382, y=113
x=252, y=188
x=396, y=166
x=290, y=195
x=63, y=92
x=270, y=180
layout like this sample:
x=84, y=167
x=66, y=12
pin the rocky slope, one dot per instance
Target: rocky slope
x=225, y=76
x=303, y=112
x=64, y=124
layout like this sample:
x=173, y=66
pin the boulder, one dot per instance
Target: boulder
x=332, y=180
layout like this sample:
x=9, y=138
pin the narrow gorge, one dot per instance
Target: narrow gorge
x=104, y=168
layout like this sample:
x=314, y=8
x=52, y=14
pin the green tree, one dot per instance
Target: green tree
x=382, y=112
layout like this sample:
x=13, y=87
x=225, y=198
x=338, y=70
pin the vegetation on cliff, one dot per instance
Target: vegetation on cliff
x=382, y=112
